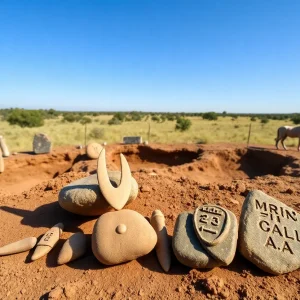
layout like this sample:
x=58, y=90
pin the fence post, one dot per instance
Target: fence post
x=149, y=128
x=249, y=135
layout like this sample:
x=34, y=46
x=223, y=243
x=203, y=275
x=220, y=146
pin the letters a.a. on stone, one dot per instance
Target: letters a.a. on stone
x=269, y=234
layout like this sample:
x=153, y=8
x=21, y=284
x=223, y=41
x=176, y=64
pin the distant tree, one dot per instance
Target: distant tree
x=71, y=117
x=155, y=118
x=296, y=119
x=119, y=116
x=85, y=120
x=210, y=116
x=25, y=118
x=264, y=120
x=224, y=113
x=183, y=124
x=114, y=121
x=253, y=119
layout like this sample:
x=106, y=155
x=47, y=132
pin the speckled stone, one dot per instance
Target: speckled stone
x=187, y=247
x=83, y=196
x=41, y=143
x=269, y=234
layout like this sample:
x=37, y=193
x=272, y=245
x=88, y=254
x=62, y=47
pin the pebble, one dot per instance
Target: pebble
x=269, y=234
x=48, y=241
x=72, y=249
x=83, y=196
x=111, y=247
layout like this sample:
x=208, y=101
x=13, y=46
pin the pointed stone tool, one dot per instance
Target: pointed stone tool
x=19, y=246
x=115, y=197
x=3, y=146
x=72, y=249
x=48, y=241
x=163, y=249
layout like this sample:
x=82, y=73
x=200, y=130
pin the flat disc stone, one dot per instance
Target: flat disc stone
x=186, y=246
x=217, y=230
x=269, y=234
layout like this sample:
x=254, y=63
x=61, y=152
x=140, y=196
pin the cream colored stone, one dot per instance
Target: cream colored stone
x=163, y=247
x=115, y=197
x=48, y=241
x=19, y=246
x=83, y=196
x=111, y=247
x=72, y=249
x=4, y=148
x=93, y=150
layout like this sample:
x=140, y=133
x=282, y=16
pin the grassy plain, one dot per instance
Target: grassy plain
x=225, y=129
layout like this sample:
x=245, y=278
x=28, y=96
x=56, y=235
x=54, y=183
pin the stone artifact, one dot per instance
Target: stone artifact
x=187, y=247
x=93, y=150
x=146, y=143
x=72, y=249
x=1, y=162
x=217, y=231
x=104, y=144
x=122, y=236
x=48, y=241
x=83, y=196
x=115, y=197
x=19, y=246
x=163, y=249
x=132, y=140
x=269, y=234
x=41, y=144
x=3, y=146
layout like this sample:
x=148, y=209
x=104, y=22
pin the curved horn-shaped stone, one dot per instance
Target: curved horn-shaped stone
x=116, y=197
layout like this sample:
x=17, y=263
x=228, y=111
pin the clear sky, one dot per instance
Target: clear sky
x=192, y=56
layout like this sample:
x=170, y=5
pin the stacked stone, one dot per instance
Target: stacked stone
x=206, y=238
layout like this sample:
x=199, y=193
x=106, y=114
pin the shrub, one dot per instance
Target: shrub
x=183, y=124
x=171, y=117
x=97, y=133
x=296, y=120
x=85, y=120
x=114, y=121
x=155, y=118
x=253, y=119
x=119, y=116
x=25, y=118
x=71, y=117
x=264, y=120
x=210, y=116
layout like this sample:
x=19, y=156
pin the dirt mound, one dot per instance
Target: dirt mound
x=199, y=174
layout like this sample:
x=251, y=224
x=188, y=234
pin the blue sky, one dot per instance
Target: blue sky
x=192, y=56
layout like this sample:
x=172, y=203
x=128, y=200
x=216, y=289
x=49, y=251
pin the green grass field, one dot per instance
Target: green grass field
x=202, y=131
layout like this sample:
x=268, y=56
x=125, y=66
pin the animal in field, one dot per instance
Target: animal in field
x=287, y=131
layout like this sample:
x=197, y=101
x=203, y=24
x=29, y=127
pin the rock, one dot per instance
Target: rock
x=83, y=196
x=41, y=143
x=1, y=162
x=112, y=246
x=146, y=143
x=145, y=189
x=269, y=234
x=163, y=249
x=217, y=231
x=72, y=249
x=48, y=241
x=56, y=293
x=19, y=246
x=104, y=143
x=93, y=150
x=132, y=140
x=186, y=246
x=3, y=146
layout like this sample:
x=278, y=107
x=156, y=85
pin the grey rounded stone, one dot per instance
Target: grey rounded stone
x=83, y=196
x=269, y=234
x=186, y=246
x=41, y=143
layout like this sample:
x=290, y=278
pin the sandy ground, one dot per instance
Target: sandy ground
x=172, y=178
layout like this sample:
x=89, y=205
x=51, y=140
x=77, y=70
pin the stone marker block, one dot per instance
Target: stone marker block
x=41, y=144
x=132, y=140
x=269, y=234
x=217, y=231
x=3, y=146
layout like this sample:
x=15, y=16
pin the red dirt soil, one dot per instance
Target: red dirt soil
x=172, y=178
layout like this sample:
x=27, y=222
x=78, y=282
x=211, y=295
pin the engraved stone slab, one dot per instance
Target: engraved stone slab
x=83, y=196
x=122, y=236
x=187, y=247
x=93, y=150
x=41, y=143
x=217, y=230
x=3, y=146
x=269, y=234
x=132, y=140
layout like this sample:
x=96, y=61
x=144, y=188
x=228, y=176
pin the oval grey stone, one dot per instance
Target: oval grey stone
x=83, y=196
x=186, y=246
